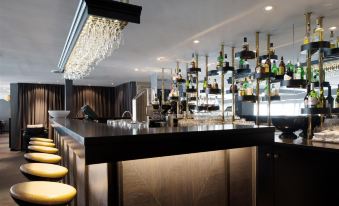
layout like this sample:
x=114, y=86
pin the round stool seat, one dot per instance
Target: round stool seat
x=40, y=143
x=43, y=149
x=43, y=171
x=40, y=139
x=42, y=193
x=42, y=157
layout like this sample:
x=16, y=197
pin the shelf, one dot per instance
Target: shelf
x=325, y=84
x=180, y=81
x=166, y=106
x=208, y=108
x=315, y=46
x=192, y=99
x=279, y=77
x=213, y=73
x=272, y=57
x=191, y=90
x=262, y=75
x=332, y=53
x=315, y=110
x=229, y=92
x=273, y=98
x=335, y=110
x=193, y=70
x=243, y=72
x=226, y=69
x=213, y=91
x=294, y=83
x=247, y=98
x=245, y=55
x=174, y=98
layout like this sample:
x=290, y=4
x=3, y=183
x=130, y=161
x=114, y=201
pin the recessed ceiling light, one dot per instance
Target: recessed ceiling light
x=333, y=28
x=136, y=69
x=196, y=41
x=161, y=58
x=268, y=8
x=112, y=83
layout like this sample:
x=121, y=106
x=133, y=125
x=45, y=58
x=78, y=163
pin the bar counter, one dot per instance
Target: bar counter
x=118, y=166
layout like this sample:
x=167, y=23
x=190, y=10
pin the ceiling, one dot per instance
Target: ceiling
x=33, y=34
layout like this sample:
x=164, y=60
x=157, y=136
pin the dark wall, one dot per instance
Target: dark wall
x=5, y=112
x=30, y=103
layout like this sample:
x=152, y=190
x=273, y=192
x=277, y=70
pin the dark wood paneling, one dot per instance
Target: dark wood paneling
x=15, y=141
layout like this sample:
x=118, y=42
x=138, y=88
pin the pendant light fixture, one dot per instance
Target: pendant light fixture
x=95, y=33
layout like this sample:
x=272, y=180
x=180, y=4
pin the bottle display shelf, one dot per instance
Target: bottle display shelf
x=294, y=83
x=174, y=98
x=247, y=98
x=208, y=107
x=213, y=72
x=315, y=46
x=226, y=69
x=272, y=57
x=245, y=54
x=273, y=98
x=332, y=53
x=315, y=111
x=193, y=70
x=262, y=76
x=213, y=91
x=324, y=84
x=180, y=81
x=191, y=90
x=279, y=77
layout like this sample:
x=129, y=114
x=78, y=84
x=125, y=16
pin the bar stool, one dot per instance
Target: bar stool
x=43, y=171
x=40, y=143
x=40, y=139
x=43, y=149
x=42, y=193
x=42, y=158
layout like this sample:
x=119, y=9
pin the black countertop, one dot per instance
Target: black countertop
x=103, y=143
x=306, y=144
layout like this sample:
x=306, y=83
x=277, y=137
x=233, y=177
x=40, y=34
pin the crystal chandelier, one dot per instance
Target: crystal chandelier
x=95, y=33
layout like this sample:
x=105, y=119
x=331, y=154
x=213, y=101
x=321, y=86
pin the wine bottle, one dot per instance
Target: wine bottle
x=332, y=40
x=220, y=60
x=267, y=66
x=329, y=98
x=205, y=84
x=260, y=69
x=319, y=31
x=275, y=69
x=312, y=97
x=193, y=63
x=282, y=66
x=245, y=45
x=306, y=96
x=321, y=99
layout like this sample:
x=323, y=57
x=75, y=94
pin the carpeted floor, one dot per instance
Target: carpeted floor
x=9, y=170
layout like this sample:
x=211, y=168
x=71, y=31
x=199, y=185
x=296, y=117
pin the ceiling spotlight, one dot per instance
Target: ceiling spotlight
x=112, y=83
x=136, y=69
x=333, y=28
x=56, y=71
x=161, y=58
x=196, y=41
x=268, y=8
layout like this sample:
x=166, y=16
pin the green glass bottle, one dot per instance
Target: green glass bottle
x=204, y=86
x=321, y=99
x=298, y=72
x=329, y=98
x=312, y=97
x=275, y=69
x=220, y=60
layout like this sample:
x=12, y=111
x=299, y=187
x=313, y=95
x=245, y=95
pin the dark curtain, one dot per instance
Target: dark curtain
x=100, y=99
x=124, y=94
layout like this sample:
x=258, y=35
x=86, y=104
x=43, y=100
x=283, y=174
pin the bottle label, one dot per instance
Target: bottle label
x=312, y=102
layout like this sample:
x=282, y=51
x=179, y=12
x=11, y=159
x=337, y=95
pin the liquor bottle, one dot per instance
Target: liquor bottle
x=272, y=50
x=306, y=96
x=321, y=99
x=179, y=75
x=191, y=82
x=329, y=98
x=204, y=86
x=307, y=34
x=282, y=66
x=245, y=45
x=337, y=98
x=226, y=63
x=319, y=31
x=337, y=41
x=260, y=69
x=187, y=83
x=242, y=63
x=193, y=63
x=220, y=60
x=215, y=84
x=275, y=69
x=299, y=72
x=267, y=66
x=315, y=74
x=332, y=40
x=289, y=71
x=312, y=97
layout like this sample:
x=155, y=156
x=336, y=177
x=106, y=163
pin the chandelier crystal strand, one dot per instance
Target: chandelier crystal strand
x=98, y=39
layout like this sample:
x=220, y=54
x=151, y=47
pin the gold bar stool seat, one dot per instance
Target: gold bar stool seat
x=43, y=149
x=40, y=139
x=42, y=158
x=43, y=171
x=42, y=193
x=40, y=143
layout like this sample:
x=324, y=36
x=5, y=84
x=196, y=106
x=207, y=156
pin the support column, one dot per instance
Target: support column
x=68, y=94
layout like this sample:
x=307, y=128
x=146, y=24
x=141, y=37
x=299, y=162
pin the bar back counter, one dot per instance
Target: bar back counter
x=197, y=165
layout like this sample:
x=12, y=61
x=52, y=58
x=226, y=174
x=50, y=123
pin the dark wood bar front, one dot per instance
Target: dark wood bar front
x=161, y=166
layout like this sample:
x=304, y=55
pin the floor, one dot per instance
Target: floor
x=9, y=170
